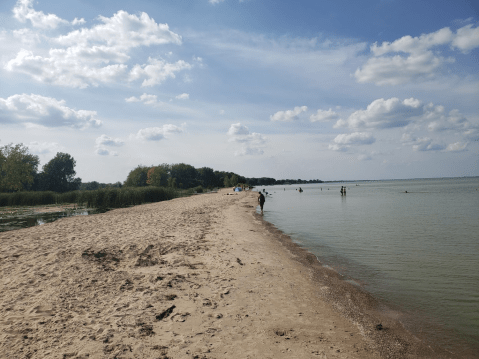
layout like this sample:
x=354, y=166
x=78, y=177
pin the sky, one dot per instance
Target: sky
x=303, y=89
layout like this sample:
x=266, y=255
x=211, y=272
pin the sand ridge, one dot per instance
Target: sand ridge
x=196, y=277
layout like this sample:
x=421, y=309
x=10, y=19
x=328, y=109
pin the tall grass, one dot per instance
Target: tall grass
x=101, y=198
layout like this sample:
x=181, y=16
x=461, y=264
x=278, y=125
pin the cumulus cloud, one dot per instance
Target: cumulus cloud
x=381, y=114
x=24, y=11
x=412, y=58
x=97, y=55
x=105, y=140
x=324, y=116
x=289, y=115
x=252, y=142
x=238, y=129
x=157, y=71
x=45, y=111
x=158, y=133
x=344, y=141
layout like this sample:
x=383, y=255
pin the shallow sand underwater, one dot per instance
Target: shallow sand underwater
x=196, y=277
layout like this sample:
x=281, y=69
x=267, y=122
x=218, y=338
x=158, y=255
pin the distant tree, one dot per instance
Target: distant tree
x=90, y=186
x=186, y=175
x=158, y=176
x=172, y=182
x=137, y=177
x=18, y=168
x=207, y=177
x=234, y=180
x=59, y=174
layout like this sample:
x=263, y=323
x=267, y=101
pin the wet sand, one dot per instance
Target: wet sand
x=197, y=277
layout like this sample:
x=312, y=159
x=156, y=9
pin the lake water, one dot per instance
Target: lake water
x=12, y=222
x=417, y=251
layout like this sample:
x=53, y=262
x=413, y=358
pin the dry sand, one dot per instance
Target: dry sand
x=197, y=277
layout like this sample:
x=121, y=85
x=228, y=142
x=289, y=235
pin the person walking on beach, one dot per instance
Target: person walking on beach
x=261, y=201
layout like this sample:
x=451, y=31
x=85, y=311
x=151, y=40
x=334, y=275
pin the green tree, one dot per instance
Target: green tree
x=59, y=174
x=137, y=177
x=207, y=177
x=158, y=176
x=17, y=168
x=184, y=174
x=172, y=182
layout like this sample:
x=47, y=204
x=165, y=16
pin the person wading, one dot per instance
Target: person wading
x=261, y=201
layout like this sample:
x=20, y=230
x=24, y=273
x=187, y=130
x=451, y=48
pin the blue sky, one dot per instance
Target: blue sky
x=332, y=90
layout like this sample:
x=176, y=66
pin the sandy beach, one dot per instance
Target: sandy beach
x=197, y=277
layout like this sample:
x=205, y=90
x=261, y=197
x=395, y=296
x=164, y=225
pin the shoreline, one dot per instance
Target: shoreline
x=197, y=277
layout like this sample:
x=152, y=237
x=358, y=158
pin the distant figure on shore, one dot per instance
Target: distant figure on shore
x=300, y=190
x=343, y=191
x=261, y=201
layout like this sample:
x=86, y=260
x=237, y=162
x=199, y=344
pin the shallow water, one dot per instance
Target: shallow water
x=418, y=252
x=9, y=223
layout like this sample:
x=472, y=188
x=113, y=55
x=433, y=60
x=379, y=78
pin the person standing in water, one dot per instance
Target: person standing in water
x=261, y=201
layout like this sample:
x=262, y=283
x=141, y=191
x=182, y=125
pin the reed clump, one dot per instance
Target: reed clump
x=101, y=198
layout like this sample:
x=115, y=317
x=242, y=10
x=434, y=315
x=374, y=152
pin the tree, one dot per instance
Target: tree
x=17, y=168
x=59, y=174
x=185, y=175
x=158, y=176
x=137, y=177
x=207, y=177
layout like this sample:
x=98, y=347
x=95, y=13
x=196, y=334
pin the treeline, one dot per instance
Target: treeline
x=181, y=176
x=19, y=171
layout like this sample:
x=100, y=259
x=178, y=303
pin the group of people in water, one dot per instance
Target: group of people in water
x=262, y=198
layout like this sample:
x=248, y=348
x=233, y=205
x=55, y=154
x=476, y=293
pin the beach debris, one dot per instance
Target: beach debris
x=165, y=313
x=239, y=261
x=379, y=327
x=145, y=258
x=146, y=330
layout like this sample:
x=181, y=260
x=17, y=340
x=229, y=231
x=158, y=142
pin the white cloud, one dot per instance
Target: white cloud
x=467, y=38
x=123, y=32
x=215, y=1
x=457, y=147
x=45, y=111
x=24, y=11
x=383, y=113
x=43, y=148
x=183, y=96
x=252, y=142
x=427, y=144
x=420, y=61
x=158, y=133
x=105, y=140
x=289, y=115
x=157, y=71
x=238, y=129
x=147, y=99
x=101, y=151
x=324, y=116
x=96, y=55
x=345, y=141
x=70, y=72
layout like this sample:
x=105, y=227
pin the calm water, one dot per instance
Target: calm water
x=418, y=252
